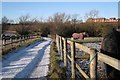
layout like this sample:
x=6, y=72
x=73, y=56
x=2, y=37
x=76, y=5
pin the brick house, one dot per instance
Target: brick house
x=102, y=20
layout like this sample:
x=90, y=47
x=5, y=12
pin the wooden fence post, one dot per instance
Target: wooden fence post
x=11, y=42
x=58, y=43
x=65, y=52
x=20, y=40
x=73, y=58
x=93, y=64
x=5, y=41
x=61, y=49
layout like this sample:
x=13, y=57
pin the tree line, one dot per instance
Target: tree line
x=60, y=23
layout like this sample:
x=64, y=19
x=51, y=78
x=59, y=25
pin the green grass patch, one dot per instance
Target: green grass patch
x=56, y=71
x=87, y=40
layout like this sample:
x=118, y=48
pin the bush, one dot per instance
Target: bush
x=44, y=30
x=66, y=29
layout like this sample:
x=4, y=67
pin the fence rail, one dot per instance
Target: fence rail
x=9, y=44
x=10, y=40
x=94, y=56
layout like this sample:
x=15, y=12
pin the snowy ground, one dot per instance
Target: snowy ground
x=28, y=62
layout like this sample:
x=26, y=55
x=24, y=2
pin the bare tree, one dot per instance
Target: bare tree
x=75, y=18
x=24, y=19
x=59, y=17
x=23, y=28
x=5, y=21
x=92, y=14
x=57, y=20
x=36, y=27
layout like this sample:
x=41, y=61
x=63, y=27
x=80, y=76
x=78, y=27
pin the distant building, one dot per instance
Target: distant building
x=102, y=20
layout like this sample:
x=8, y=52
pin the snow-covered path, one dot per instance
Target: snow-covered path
x=29, y=62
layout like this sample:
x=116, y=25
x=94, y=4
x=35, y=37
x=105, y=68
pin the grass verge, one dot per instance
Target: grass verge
x=87, y=40
x=56, y=71
x=8, y=48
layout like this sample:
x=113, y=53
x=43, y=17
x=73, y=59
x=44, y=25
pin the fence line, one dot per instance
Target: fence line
x=12, y=43
x=62, y=42
x=7, y=41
